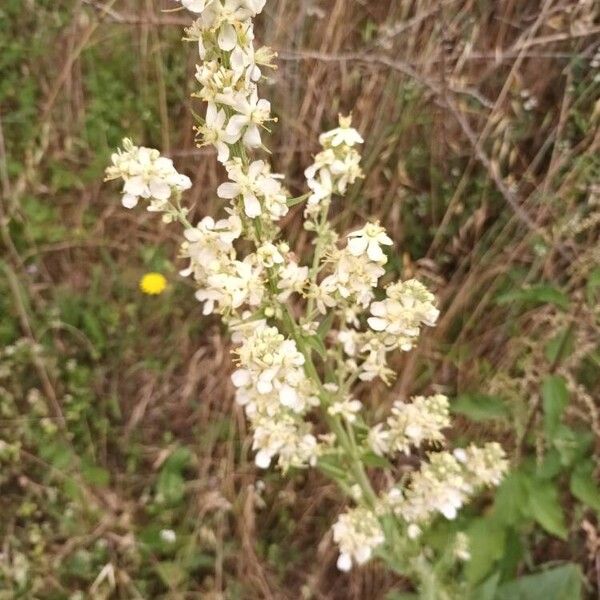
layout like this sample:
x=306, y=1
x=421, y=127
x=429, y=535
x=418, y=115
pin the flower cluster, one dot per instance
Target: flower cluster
x=399, y=317
x=410, y=425
x=335, y=168
x=276, y=393
x=146, y=174
x=357, y=532
x=445, y=483
x=295, y=372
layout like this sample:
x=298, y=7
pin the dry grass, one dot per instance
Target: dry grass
x=476, y=190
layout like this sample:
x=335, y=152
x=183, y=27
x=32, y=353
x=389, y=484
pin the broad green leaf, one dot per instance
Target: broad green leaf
x=561, y=583
x=480, y=407
x=487, y=590
x=572, y=445
x=544, y=506
x=538, y=294
x=486, y=539
x=584, y=487
x=555, y=398
x=511, y=498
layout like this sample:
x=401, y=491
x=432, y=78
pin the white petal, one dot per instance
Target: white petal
x=160, y=189
x=251, y=206
x=363, y=554
x=378, y=309
x=228, y=190
x=262, y=459
x=129, y=200
x=288, y=396
x=357, y=245
x=240, y=377
x=377, y=324
x=227, y=37
x=235, y=125
x=252, y=137
x=374, y=252
x=222, y=152
x=344, y=562
x=136, y=186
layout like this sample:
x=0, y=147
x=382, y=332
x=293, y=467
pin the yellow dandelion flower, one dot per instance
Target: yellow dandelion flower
x=153, y=284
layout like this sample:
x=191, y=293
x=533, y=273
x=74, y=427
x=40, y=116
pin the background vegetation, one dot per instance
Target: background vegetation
x=125, y=469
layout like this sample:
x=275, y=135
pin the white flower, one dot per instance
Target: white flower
x=168, y=536
x=292, y=278
x=252, y=113
x=322, y=188
x=412, y=424
x=256, y=182
x=369, y=239
x=269, y=256
x=146, y=174
x=357, y=533
x=347, y=408
x=209, y=245
x=213, y=132
x=196, y=6
x=344, y=134
x=445, y=483
x=408, y=305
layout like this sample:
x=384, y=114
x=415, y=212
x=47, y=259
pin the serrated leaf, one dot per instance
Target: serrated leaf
x=487, y=537
x=561, y=583
x=544, y=506
x=584, y=487
x=480, y=407
x=511, y=498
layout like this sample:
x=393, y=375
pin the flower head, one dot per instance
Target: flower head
x=153, y=284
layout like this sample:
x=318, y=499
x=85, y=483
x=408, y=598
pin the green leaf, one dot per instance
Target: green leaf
x=555, y=399
x=325, y=326
x=538, y=294
x=583, y=486
x=561, y=583
x=171, y=573
x=561, y=346
x=593, y=285
x=298, y=200
x=487, y=590
x=94, y=474
x=370, y=459
x=480, y=407
x=316, y=343
x=511, y=498
x=487, y=538
x=545, y=508
x=572, y=445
